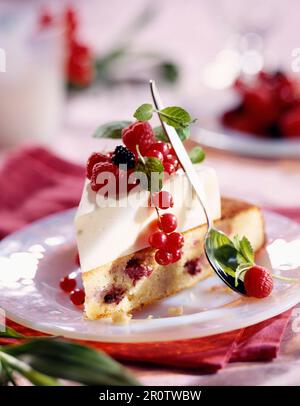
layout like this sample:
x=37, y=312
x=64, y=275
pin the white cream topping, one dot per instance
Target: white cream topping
x=107, y=233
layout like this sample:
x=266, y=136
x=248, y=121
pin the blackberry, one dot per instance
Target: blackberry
x=122, y=156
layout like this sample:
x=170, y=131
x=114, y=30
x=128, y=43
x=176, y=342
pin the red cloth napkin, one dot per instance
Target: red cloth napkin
x=34, y=183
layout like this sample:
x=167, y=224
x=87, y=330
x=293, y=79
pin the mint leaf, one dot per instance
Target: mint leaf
x=112, y=129
x=197, y=155
x=154, y=171
x=175, y=116
x=222, y=249
x=144, y=112
x=246, y=250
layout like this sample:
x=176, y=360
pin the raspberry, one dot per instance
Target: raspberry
x=77, y=297
x=94, y=159
x=139, y=133
x=258, y=282
x=100, y=168
x=123, y=156
x=193, y=266
x=137, y=272
x=114, y=295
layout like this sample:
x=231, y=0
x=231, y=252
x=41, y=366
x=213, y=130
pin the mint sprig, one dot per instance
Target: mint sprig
x=235, y=256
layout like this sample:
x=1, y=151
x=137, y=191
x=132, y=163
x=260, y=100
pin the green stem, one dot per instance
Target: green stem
x=32, y=375
x=140, y=155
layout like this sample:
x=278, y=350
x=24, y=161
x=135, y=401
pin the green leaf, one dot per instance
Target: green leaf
x=66, y=360
x=197, y=155
x=144, y=112
x=175, y=116
x=13, y=364
x=149, y=166
x=246, y=250
x=112, y=129
x=222, y=249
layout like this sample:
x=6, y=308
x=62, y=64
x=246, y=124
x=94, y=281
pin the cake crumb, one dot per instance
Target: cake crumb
x=219, y=289
x=150, y=317
x=121, y=318
x=175, y=311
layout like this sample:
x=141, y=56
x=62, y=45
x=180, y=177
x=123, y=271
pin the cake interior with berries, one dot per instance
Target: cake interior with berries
x=139, y=243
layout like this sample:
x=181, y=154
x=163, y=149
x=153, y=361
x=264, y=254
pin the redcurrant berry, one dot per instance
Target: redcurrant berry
x=163, y=200
x=153, y=153
x=172, y=160
x=175, y=241
x=163, y=257
x=158, y=239
x=169, y=168
x=167, y=222
x=67, y=284
x=77, y=297
x=163, y=147
x=176, y=255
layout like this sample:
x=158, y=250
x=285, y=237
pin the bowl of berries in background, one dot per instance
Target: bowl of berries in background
x=263, y=121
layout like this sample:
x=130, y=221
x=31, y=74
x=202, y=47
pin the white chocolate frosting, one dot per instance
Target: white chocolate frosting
x=107, y=233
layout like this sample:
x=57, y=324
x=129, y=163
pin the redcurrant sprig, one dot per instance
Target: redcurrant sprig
x=167, y=242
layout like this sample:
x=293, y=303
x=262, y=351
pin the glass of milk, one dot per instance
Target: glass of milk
x=32, y=86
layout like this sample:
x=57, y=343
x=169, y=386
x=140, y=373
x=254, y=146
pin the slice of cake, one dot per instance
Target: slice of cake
x=118, y=267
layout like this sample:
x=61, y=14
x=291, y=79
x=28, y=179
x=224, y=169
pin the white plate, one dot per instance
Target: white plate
x=246, y=144
x=33, y=260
